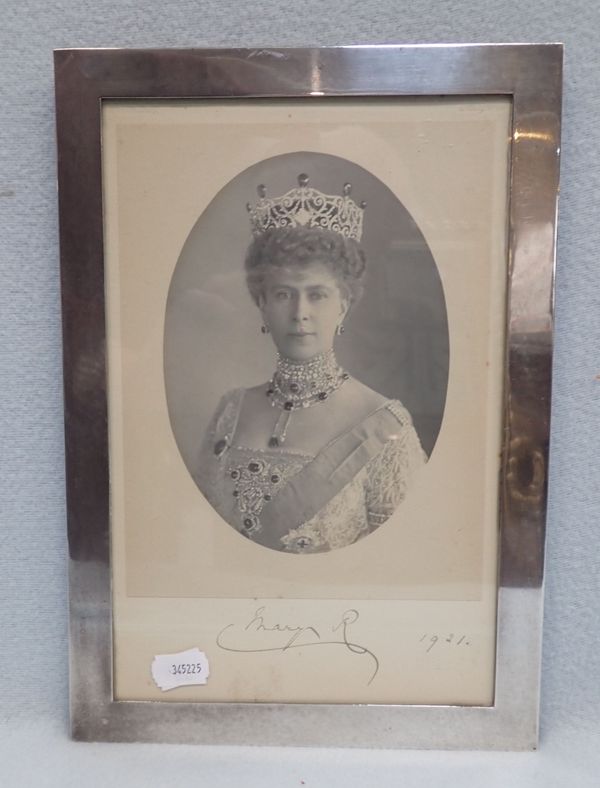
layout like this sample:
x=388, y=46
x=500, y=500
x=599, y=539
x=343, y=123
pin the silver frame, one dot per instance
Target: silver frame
x=531, y=74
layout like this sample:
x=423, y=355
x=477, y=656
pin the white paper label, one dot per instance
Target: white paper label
x=180, y=670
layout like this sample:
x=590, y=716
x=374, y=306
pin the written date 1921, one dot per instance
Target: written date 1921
x=430, y=641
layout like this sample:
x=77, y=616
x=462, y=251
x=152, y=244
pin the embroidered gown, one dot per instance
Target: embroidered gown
x=303, y=503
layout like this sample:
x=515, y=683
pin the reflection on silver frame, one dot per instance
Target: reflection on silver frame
x=531, y=75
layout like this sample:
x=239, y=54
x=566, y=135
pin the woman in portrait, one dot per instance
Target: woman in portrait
x=313, y=459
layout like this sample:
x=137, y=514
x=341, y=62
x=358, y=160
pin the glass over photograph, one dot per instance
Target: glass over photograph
x=305, y=327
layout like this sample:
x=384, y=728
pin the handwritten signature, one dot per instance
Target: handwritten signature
x=298, y=636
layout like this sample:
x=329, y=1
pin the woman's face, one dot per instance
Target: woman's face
x=302, y=308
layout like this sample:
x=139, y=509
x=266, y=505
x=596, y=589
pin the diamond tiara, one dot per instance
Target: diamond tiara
x=307, y=207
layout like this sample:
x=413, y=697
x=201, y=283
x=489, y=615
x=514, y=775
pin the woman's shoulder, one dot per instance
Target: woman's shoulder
x=227, y=411
x=254, y=393
x=237, y=406
x=358, y=401
x=243, y=394
x=400, y=411
x=367, y=397
x=232, y=398
x=402, y=452
x=370, y=401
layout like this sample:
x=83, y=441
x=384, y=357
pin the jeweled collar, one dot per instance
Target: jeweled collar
x=299, y=384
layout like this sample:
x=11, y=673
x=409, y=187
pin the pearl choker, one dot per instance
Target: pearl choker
x=298, y=384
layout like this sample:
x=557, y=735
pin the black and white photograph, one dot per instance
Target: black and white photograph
x=307, y=311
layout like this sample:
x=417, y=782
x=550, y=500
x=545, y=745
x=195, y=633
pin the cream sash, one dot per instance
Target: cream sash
x=308, y=491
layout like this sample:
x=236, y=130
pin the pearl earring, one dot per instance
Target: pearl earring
x=265, y=329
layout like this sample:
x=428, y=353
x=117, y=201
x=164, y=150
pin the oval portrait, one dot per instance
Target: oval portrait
x=306, y=353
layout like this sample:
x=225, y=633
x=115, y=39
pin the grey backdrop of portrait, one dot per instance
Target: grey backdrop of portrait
x=396, y=336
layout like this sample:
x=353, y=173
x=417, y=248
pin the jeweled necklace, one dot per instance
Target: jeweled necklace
x=301, y=384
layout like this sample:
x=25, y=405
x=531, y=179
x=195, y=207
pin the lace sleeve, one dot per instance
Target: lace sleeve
x=390, y=472
x=217, y=439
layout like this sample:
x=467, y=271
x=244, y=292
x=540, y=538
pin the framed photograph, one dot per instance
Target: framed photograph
x=307, y=308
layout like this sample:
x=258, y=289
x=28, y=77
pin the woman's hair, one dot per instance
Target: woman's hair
x=288, y=247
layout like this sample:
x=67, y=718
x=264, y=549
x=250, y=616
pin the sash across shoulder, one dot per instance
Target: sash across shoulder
x=308, y=491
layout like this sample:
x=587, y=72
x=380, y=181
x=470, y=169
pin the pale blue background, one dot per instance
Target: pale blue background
x=34, y=745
